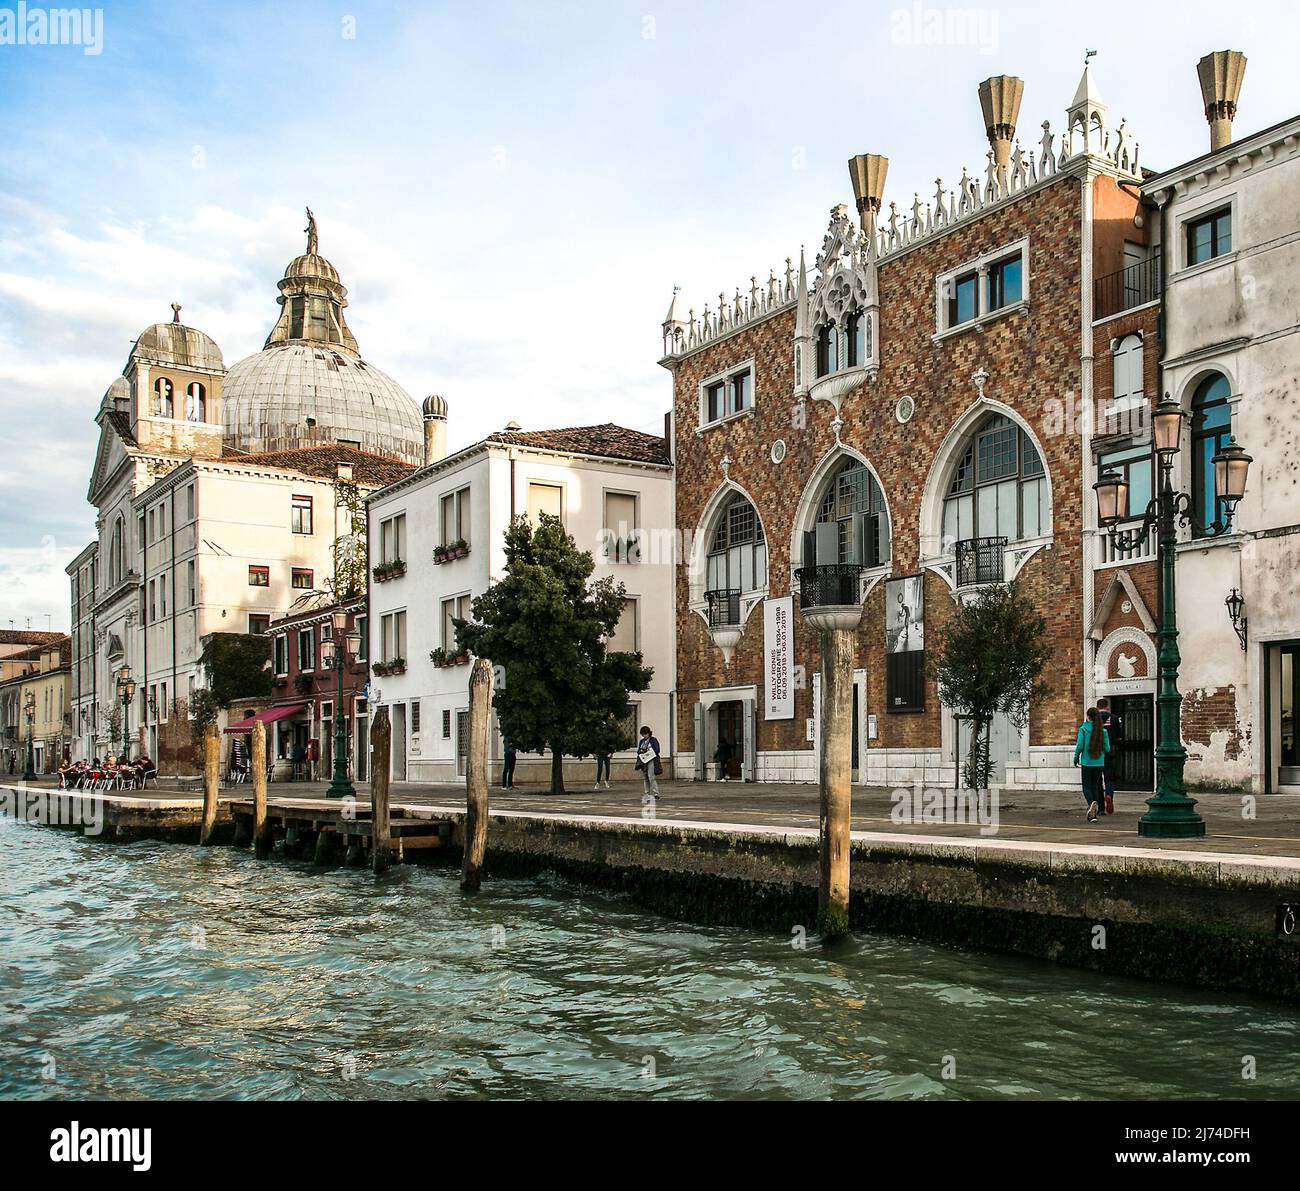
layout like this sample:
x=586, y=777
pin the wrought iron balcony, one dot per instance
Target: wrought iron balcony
x=1126, y=288
x=724, y=607
x=980, y=560
x=831, y=585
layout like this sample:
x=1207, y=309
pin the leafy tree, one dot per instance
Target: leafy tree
x=545, y=624
x=349, y=548
x=990, y=658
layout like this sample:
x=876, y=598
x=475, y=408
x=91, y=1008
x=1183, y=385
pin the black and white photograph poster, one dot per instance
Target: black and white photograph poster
x=905, y=614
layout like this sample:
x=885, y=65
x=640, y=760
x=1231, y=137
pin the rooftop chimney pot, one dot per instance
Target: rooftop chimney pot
x=868, y=172
x=1220, y=75
x=1000, y=102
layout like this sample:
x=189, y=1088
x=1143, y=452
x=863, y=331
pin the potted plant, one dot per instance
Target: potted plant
x=440, y=554
x=459, y=548
x=397, y=666
x=304, y=683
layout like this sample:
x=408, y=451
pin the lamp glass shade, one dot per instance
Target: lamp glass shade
x=1168, y=419
x=1112, y=498
x=1234, y=602
x=327, y=652
x=354, y=643
x=1231, y=466
x=29, y=700
x=128, y=689
x=124, y=673
x=340, y=620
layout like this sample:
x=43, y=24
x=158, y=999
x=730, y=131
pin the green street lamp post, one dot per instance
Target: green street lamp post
x=336, y=654
x=1172, y=813
x=29, y=710
x=125, y=694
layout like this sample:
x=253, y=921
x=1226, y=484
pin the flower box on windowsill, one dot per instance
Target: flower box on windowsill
x=389, y=570
x=442, y=659
x=458, y=549
x=386, y=669
x=628, y=551
x=303, y=683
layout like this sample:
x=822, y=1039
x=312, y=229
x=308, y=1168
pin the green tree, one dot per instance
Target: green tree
x=990, y=659
x=544, y=624
x=349, y=548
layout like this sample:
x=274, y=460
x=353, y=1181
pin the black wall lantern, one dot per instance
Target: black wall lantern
x=1235, y=605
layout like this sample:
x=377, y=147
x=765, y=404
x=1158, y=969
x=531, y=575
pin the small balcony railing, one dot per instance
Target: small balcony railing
x=980, y=560
x=724, y=607
x=1108, y=553
x=830, y=585
x=1125, y=288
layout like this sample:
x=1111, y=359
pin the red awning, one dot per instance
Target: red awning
x=267, y=717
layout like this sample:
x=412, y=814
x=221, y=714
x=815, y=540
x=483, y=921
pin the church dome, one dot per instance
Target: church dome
x=308, y=385
x=177, y=346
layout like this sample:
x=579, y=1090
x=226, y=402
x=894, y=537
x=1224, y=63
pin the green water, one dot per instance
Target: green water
x=159, y=970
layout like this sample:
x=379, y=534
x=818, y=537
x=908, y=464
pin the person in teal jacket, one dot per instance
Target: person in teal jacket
x=1090, y=749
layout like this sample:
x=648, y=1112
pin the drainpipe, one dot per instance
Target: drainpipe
x=172, y=565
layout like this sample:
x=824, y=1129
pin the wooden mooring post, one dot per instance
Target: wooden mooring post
x=211, y=779
x=476, y=775
x=261, y=837
x=381, y=742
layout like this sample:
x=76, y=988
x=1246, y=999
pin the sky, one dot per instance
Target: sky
x=509, y=191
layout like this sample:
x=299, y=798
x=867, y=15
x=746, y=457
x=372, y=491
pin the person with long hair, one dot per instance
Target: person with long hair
x=1090, y=749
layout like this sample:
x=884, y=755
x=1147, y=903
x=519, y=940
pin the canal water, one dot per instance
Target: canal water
x=159, y=970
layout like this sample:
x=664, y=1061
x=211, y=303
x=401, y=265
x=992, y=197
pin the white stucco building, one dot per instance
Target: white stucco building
x=1231, y=356
x=597, y=479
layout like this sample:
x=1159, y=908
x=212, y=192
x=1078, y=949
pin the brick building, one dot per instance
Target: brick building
x=911, y=414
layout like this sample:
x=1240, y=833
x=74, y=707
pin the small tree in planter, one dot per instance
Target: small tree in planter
x=990, y=659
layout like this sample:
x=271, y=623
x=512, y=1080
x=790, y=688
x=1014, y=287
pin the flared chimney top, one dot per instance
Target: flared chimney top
x=1220, y=75
x=1000, y=102
x=868, y=171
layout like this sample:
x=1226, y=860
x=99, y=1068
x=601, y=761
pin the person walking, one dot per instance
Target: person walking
x=1090, y=749
x=508, y=768
x=1114, y=726
x=603, y=759
x=648, y=764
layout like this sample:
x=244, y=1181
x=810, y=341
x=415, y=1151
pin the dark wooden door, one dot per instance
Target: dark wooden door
x=731, y=737
x=1133, y=763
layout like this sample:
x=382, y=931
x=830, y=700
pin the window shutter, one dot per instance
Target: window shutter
x=828, y=543
x=809, y=548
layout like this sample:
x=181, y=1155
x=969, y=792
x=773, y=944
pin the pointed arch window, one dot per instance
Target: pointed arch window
x=164, y=393
x=196, y=403
x=842, y=348
x=737, y=558
x=117, y=552
x=998, y=488
x=852, y=522
x=1211, y=429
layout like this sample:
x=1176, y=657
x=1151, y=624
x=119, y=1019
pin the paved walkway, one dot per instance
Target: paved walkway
x=1031, y=816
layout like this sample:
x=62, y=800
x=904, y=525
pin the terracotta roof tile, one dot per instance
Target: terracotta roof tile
x=367, y=469
x=615, y=442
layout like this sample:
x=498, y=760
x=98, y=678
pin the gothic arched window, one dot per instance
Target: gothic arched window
x=852, y=521
x=737, y=559
x=999, y=487
x=1211, y=429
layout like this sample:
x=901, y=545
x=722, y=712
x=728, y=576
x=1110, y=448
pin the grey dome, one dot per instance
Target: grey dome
x=268, y=399
x=177, y=345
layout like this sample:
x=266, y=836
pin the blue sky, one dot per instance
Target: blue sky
x=510, y=191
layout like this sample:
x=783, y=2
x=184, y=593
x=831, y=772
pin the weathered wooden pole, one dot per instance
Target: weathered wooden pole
x=211, y=779
x=476, y=775
x=836, y=778
x=261, y=837
x=381, y=740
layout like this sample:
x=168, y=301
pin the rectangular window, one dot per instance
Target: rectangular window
x=282, y=654
x=392, y=538
x=258, y=624
x=362, y=624
x=153, y=605
x=715, y=403
x=1209, y=236
x=162, y=597
x=1004, y=282
x=300, y=515
x=455, y=517
x=392, y=636
x=189, y=503
x=415, y=715
x=306, y=649
x=162, y=703
x=259, y=576
x=962, y=304
x=446, y=724
x=732, y=395
x=620, y=514
x=1136, y=466
x=302, y=579
x=623, y=638
x=191, y=583
x=151, y=528
x=456, y=608
x=545, y=498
